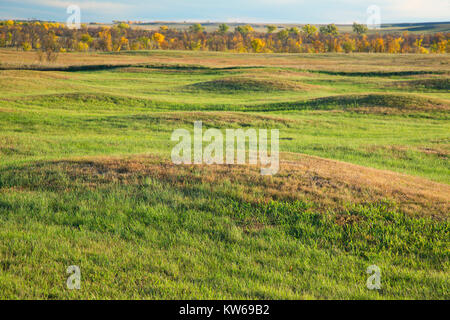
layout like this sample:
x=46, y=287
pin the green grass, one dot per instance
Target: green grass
x=61, y=126
x=137, y=234
x=153, y=240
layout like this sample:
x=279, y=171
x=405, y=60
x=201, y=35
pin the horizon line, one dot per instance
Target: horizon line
x=137, y=22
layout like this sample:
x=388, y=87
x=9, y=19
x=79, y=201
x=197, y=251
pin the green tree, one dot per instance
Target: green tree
x=359, y=28
x=123, y=26
x=223, y=28
x=294, y=31
x=196, y=28
x=271, y=28
x=309, y=29
x=244, y=30
x=86, y=38
x=330, y=29
x=283, y=35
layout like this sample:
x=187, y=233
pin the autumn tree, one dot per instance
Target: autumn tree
x=158, y=38
x=309, y=29
x=394, y=44
x=26, y=46
x=258, y=45
x=378, y=44
x=123, y=43
x=333, y=45
x=349, y=45
x=82, y=46
x=105, y=40
x=52, y=38
x=49, y=48
x=439, y=47
x=419, y=48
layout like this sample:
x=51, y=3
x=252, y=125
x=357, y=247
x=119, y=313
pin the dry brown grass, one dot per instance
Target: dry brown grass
x=334, y=62
x=7, y=110
x=223, y=118
x=412, y=194
x=329, y=184
x=401, y=152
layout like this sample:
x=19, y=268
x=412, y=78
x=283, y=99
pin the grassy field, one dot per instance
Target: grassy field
x=86, y=177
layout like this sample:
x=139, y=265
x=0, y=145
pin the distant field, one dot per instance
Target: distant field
x=86, y=177
x=430, y=27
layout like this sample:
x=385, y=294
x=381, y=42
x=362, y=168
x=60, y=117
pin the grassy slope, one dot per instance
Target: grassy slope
x=139, y=234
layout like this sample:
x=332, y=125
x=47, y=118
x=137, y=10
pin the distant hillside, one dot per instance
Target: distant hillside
x=423, y=27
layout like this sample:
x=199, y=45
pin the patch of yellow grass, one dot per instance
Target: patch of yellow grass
x=360, y=62
x=330, y=184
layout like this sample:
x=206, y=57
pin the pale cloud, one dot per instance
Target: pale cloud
x=439, y=9
x=404, y=10
x=296, y=11
x=87, y=5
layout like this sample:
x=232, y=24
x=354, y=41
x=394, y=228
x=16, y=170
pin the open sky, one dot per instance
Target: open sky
x=295, y=11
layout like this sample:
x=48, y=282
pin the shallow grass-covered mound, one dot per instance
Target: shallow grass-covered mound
x=144, y=228
x=367, y=103
x=378, y=73
x=82, y=98
x=248, y=84
x=400, y=102
x=425, y=84
x=94, y=101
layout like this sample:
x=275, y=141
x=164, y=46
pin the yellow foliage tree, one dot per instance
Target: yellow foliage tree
x=349, y=45
x=105, y=39
x=123, y=43
x=158, y=38
x=82, y=46
x=395, y=45
x=258, y=45
x=26, y=46
x=379, y=45
x=418, y=47
x=442, y=46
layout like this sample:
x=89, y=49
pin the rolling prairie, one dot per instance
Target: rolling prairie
x=86, y=176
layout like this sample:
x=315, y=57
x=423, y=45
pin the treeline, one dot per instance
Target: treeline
x=48, y=39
